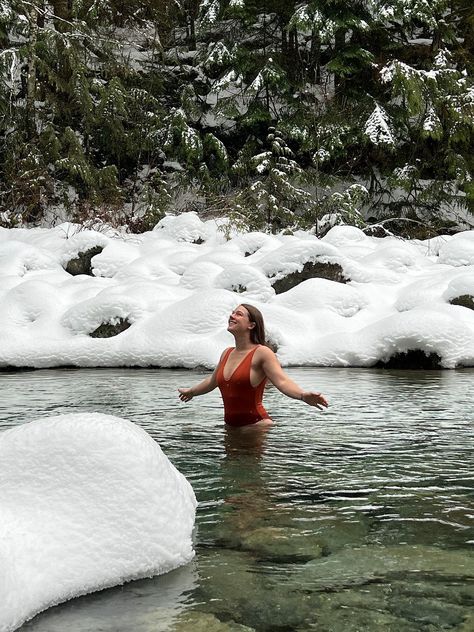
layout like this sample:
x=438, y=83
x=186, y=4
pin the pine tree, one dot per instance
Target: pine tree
x=273, y=201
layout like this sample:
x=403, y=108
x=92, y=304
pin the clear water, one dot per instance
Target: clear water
x=356, y=519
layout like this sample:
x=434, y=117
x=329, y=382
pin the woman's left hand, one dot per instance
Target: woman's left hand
x=315, y=399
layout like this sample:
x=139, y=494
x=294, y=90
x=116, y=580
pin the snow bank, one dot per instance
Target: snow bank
x=174, y=286
x=87, y=501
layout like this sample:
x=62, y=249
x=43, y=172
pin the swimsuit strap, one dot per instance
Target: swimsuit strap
x=222, y=363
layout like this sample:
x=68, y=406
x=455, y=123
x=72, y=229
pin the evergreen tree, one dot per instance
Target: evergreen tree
x=272, y=201
x=109, y=105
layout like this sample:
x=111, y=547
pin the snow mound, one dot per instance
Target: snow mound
x=81, y=242
x=431, y=331
x=88, y=501
x=291, y=256
x=344, y=235
x=461, y=285
x=459, y=251
x=113, y=257
x=18, y=258
x=323, y=294
x=189, y=227
x=200, y=274
x=247, y=281
x=85, y=317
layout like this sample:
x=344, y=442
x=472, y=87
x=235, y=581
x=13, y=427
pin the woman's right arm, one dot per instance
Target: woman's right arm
x=206, y=386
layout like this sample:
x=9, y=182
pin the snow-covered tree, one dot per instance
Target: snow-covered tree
x=97, y=95
x=274, y=199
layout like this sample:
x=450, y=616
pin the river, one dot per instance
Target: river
x=356, y=518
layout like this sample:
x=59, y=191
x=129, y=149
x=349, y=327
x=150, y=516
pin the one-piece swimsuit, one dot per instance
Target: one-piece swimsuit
x=242, y=401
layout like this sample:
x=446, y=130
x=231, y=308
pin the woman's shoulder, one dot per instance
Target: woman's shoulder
x=226, y=351
x=263, y=352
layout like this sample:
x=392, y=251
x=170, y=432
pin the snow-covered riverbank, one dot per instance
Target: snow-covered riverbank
x=175, y=286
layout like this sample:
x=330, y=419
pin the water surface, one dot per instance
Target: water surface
x=358, y=518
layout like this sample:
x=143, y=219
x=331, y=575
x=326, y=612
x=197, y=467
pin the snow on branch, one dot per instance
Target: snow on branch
x=377, y=127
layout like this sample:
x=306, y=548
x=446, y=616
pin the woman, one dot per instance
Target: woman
x=243, y=370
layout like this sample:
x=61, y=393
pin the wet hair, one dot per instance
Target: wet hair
x=257, y=334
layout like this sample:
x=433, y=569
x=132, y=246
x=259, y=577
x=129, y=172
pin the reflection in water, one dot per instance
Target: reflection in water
x=248, y=500
x=358, y=518
x=242, y=442
x=142, y=605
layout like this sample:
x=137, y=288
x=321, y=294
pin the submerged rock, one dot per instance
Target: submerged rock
x=369, y=563
x=195, y=621
x=282, y=544
x=286, y=539
x=233, y=589
x=467, y=625
x=428, y=611
x=395, y=606
x=453, y=592
x=343, y=618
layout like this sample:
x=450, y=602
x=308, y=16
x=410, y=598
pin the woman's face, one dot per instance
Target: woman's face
x=239, y=320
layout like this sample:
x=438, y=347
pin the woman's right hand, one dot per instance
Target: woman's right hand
x=185, y=394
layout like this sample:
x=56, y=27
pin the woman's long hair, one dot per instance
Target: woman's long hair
x=257, y=334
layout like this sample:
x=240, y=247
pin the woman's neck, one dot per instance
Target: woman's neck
x=243, y=343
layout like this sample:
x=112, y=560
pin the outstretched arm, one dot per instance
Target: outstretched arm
x=206, y=386
x=276, y=375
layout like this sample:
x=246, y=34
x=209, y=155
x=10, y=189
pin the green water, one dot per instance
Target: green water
x=356, y=519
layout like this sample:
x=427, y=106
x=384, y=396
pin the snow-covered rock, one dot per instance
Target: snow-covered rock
x=87, y=501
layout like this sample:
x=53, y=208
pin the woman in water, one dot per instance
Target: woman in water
x=243, y=370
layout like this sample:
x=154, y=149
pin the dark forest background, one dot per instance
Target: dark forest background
x=277, y=114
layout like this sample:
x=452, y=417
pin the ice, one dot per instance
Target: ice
x=175, y=285
x=88, y=501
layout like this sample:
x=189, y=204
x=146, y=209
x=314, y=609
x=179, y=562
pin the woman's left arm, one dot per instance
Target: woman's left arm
x=273, y=371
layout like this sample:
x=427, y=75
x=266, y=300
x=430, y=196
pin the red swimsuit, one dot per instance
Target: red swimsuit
x=242, y=401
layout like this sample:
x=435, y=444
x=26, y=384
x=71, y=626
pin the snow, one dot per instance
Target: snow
x=88, y=501
x=176, y=285
x=377, y=127
x=459, y=251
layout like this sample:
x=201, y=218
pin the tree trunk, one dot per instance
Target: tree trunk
x=315, y=57
x=31, y=72
x=339, y=80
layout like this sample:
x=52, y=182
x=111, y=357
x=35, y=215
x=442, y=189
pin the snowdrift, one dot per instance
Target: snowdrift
x=87, y=501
